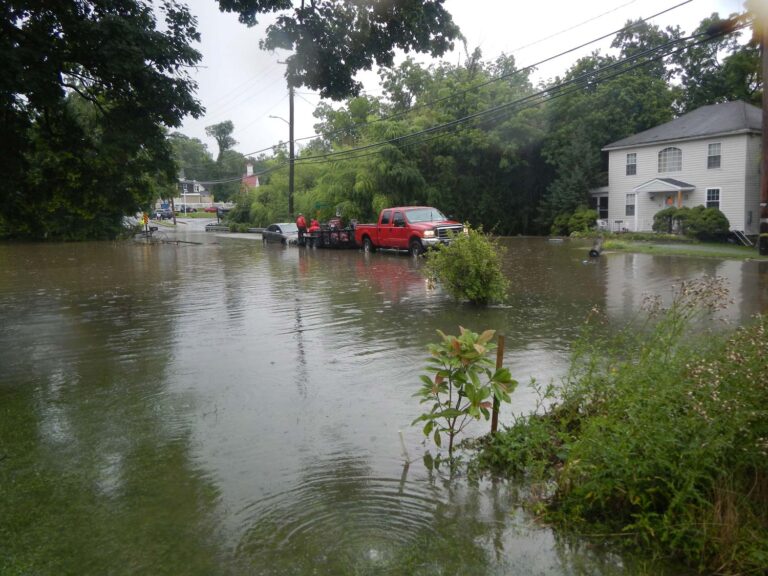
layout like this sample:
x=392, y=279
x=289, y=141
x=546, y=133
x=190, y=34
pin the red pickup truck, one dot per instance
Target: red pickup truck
x=412, y=228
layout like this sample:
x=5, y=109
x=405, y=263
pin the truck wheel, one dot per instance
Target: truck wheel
x=415, y=248
x=368, y=245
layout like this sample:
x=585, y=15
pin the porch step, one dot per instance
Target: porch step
x=741, y=237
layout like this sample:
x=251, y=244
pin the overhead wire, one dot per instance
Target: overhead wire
x=564, y=88
x=487, y=82
x=501, y=77
x=535, y=99
x=528, y=101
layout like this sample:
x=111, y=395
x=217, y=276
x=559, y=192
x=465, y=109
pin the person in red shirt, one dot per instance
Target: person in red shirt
x=314, y=228
x=301, y=224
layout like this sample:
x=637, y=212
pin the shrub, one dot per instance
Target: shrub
x=698, y=222
x=707, y=224
x=560, y=225
x=664, y=220
x=455, y=390
x=659, y=436
x=469, y=268
x=583, y=220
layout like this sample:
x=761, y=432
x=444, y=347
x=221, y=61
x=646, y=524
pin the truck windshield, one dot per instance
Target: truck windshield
x=425, y=215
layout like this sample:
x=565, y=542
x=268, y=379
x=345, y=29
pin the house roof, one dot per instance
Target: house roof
x=663, y=185
x=705, y=122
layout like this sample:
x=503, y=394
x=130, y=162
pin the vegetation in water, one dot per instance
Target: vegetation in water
x=657, y=437
x=454, y=390
x=469, y=268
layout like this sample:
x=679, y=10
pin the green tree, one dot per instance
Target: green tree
x=222, y=133
x=192, y=157
x=332, y=40
x=86, y=91
x=720, y=70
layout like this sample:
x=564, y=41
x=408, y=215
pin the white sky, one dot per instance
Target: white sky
x=237, y=81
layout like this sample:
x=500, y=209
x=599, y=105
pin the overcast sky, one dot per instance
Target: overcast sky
x=237, y=81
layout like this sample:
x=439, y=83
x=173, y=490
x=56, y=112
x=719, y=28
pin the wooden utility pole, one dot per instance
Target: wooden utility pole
x=762, y=241
x=290, y=152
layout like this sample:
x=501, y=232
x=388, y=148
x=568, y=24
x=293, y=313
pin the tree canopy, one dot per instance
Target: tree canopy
x=429, y=139
x=332, y=40
x=86, y=91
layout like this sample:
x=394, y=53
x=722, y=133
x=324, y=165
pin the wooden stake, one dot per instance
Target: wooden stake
x=499, y=364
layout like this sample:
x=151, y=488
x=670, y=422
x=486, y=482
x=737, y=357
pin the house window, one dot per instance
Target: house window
x=600, y=204
x=670, y=160
x=630, y=208
x=631, y=164
x=713, y=198
x=713, y=156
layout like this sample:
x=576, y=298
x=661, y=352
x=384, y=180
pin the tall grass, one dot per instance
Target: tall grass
x=657, y=436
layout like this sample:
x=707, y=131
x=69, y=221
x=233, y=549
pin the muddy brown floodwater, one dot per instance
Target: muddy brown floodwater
x=233, y=408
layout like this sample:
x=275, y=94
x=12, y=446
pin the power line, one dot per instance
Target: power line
x=532, y=100
x=584, y=76
x=530, y=67
x=490, y=81
x=236, y=89
x=564, y=30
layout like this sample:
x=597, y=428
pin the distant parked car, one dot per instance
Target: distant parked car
x=186, y=209
x=210, y=209
x=282, y=233
x=164, y=214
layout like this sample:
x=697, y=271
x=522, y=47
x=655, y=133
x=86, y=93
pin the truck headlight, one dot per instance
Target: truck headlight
x=429, y=233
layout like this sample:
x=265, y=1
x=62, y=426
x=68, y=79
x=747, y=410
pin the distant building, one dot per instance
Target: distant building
x=709, y=157
x=250, y=179
x=192, y=193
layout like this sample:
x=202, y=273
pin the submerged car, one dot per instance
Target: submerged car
x=282, y=233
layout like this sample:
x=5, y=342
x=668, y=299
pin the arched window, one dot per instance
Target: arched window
x=670, y=160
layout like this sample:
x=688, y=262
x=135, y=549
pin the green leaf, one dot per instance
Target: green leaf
x=428, y=427
x=436, y=438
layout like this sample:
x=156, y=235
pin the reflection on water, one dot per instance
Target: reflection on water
x=230, y=408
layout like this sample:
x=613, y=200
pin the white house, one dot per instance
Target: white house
x=709, y=157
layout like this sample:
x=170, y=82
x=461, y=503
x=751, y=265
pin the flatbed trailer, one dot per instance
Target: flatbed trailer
x=331, y=238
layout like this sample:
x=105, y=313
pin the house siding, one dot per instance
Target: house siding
x=733, y=178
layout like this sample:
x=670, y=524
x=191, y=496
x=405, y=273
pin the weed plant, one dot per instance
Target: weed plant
x=657, y=438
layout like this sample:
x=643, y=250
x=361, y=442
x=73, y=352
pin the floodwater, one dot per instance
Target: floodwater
x=224, y=407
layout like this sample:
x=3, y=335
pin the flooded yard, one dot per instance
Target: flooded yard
x=224, y=407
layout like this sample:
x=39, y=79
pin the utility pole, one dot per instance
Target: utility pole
x=762, y=241
x=291, y=156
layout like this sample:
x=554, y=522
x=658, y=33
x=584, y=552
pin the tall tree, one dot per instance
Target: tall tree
x=222, y=133
x=332, y=40
x=192, y=157
x=720, y=70
x=129, y=74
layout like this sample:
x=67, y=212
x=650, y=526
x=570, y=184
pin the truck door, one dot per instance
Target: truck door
x=399, y=234
x=385, y=228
